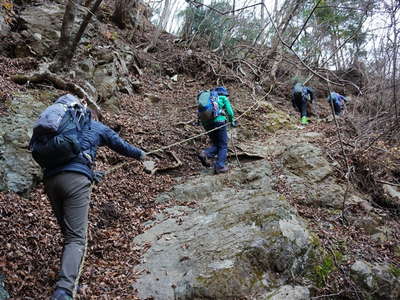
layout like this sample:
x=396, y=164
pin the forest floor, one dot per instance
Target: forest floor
x=124, y=201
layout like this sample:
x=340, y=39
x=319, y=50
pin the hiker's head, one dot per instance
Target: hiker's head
x=222, y=91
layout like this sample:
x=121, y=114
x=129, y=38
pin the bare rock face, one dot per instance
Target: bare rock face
x=311, y=179
x=18, y=171
x=287, y=292
x=242, y=239
x=41, y=32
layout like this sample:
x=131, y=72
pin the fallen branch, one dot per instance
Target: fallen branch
x=57, y=83
x=153, y=169
x=186, y=123
x=389, y=183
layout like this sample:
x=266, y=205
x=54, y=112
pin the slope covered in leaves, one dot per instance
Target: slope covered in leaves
x=161, y=113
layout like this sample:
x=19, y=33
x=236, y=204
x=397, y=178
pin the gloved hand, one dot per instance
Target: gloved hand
x=142, y=155
x=98, y=176
x=234, y=123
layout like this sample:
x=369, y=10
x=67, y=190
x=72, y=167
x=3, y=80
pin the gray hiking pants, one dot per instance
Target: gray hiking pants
x=69, y=195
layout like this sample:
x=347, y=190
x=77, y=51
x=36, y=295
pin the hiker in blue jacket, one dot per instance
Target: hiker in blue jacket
x=301, y=97
x=218, y=137
x=338, y=102
x=68, y=188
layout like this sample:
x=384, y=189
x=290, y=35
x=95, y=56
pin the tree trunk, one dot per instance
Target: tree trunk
x=164, y=16
x=65, y=42
x=121, y=11
x=394, y=58
x=262, y=14
x=82, y=28
x=161, y=25
x=290, y=12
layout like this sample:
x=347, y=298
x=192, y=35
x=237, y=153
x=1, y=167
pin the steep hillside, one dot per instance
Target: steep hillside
x=156, y=111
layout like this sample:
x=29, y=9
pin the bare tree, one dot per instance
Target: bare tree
x=161, y=24
x=395, y=5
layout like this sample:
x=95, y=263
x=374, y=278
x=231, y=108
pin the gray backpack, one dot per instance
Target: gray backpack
x=56, y=134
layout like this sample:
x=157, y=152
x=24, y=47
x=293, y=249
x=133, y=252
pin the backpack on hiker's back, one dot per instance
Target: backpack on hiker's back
x=300, y=90
x=208, y=107
x=56, y=134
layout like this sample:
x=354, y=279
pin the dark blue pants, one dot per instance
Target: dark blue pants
x=337, y=107
x=219, y=147
x=301, y=105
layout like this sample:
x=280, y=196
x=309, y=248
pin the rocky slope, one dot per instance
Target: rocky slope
x=283, y=223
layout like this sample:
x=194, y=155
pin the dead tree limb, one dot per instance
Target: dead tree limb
x=58, y=83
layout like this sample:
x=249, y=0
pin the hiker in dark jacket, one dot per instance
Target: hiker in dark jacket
x=68, y=188
x=338, y=102
x=301, y=97
x=219, y=137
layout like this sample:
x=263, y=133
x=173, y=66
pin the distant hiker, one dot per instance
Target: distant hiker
x=213, y=107
x=338, y=102
x=301, y=97
x=64, y=143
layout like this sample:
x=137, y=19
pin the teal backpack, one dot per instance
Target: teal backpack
x=208, y=108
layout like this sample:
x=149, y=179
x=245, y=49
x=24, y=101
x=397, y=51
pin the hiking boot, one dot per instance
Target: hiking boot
x=304, y=120
x=221, y=170
x=204, y=159
x=61, y=294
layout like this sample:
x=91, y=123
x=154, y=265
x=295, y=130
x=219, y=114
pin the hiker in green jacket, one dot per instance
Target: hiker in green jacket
x=222, y=113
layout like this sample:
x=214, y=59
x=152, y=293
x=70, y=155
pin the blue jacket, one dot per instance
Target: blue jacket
x=94, y=136
x=336, y=98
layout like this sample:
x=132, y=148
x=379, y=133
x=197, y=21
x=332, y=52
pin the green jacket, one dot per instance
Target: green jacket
x=225, y=106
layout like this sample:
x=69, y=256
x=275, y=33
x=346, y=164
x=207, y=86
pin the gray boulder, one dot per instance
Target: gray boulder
x=288, y=292
x=310, y=177
x=4, y=27
x=377, y=281
x=392, y=194
x=242, y=239
x=306, y=160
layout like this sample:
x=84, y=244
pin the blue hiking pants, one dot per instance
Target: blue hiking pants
x=336, y=106
x=219, y=147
